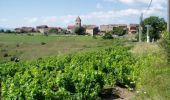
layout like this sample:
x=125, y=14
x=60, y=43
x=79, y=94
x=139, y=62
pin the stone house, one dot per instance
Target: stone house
x=42, y=29
x=71, y=28
x=133, y=28
x=24, y=30
x=108, y=28
x=18, y=30
x=91, y=29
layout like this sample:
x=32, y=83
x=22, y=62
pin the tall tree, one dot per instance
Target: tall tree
x=157, y=26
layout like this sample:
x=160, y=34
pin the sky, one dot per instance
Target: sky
x=61, y=13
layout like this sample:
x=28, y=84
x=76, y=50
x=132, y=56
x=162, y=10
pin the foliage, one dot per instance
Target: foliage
x=2, y=31
x=165, y=44
x=74, y=76
x=8, y=31
x=157, y=26
x=107, y=36
x=79, y=30
x=53, y=31
x=119, y=31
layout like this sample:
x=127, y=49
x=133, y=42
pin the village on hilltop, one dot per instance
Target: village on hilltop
x=89, y=29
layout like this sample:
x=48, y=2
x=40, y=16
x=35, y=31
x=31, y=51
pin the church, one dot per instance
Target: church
x=89, y=29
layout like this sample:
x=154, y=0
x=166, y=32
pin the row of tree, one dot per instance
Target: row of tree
x=6, y=31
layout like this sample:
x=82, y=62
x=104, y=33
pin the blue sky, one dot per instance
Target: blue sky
x=17, y=13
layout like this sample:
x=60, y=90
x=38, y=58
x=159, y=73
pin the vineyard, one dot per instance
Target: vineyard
x=78, y=76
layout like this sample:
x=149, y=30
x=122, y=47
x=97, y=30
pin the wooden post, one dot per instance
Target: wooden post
x=140, y=28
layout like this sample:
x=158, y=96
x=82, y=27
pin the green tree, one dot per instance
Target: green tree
x=2, y=31
x=158, y=25
x=79, y=30
x=8, y=31
x=120, y=31
x=53, y=31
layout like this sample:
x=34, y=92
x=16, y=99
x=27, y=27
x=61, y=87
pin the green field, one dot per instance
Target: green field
x=80, y=67
x=30, y=47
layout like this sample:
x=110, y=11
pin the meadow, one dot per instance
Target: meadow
x=33, y=47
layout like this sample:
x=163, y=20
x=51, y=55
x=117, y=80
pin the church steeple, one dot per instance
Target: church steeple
x=78, y=22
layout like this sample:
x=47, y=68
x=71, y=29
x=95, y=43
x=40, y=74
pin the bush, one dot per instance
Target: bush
x=79, y=76
x=79, y=31
x=165, y=44
x=29, y=34
x=15, y=59
x=54, y=31
x=8, y=31
x=6, y=55
x=107, y=36
x=43, y=43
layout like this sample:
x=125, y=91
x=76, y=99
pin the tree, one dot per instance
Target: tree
x=79, y=30
x=53, y=31
x=2, y=31
x=8, y=31
x=158, y=25
x=120, y=31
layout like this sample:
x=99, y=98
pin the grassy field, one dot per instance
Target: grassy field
x=33, y=47
x=155, y=79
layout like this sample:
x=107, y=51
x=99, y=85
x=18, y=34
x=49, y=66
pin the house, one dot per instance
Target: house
x=108, y=28
x=25, y=30
x=18, y=30
x=42, y=29
x=124, y=26
x=91, y=29
x=133, y=28
x=28, y=29
x=71, y=28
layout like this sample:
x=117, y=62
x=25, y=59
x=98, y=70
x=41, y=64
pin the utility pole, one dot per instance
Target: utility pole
x=140, y=27
x=148, y=30
x=168, y=25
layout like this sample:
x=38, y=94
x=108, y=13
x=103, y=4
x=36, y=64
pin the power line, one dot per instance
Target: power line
x=149, y=5
x=141, y=21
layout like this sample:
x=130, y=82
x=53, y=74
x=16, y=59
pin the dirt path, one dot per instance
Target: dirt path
x=117, y=93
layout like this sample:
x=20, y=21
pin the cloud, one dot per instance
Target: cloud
x=98, y=17
x=137, y=1
x=99, y=6
x=31, y=20
x=129, y=14
x=3, y=20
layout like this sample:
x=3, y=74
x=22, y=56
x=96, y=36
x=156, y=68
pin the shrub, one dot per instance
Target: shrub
x=165, y=44
x=15, y=59
x=55, y=31
x=43, y=43
x=107, y=36
x=79, y=31
x=6, y=55
x=79, y=76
